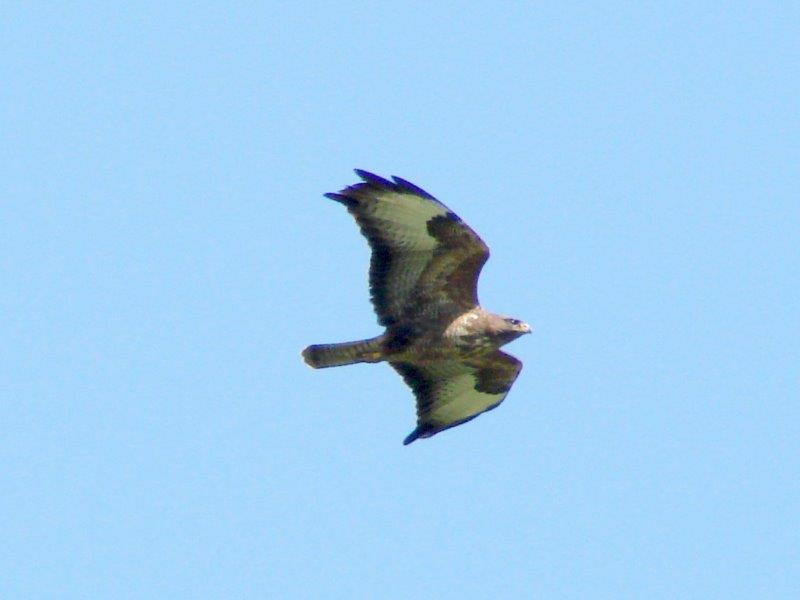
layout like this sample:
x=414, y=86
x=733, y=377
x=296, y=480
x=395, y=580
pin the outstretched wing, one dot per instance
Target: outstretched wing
x=425, y=259
x=453, y=392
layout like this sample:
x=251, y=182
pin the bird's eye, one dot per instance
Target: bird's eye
x=514, y=321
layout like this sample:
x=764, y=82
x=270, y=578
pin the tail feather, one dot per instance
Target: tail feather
x=320, y=356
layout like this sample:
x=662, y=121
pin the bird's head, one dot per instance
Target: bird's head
x=510, y=329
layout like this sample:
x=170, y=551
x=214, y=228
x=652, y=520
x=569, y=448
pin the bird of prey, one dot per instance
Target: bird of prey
x=423, y=281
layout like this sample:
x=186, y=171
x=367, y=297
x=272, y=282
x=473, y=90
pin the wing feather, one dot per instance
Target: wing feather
x=450, y=393
x=425, y=260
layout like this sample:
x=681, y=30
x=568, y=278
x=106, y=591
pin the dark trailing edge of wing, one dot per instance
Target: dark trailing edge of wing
x=428, y=431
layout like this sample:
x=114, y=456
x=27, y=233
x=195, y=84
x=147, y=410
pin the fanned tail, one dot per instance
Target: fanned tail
x=320, y=356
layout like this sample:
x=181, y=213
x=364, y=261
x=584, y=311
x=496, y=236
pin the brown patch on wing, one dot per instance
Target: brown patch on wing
x=458, y=260
x=497, y=372
x=450, y=393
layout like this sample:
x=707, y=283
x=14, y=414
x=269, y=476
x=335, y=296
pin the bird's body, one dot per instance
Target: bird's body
x=423, y=281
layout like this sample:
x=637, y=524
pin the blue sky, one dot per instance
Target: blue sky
x=167, y=252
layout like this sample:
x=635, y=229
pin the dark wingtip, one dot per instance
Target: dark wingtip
x=411, y=187
x=372, y=178
x=346, y=200
x=413, y=436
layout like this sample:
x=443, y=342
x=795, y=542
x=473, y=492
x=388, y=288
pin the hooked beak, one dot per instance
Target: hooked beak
x=526, y=328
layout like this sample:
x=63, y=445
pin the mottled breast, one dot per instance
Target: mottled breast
x=469, y=332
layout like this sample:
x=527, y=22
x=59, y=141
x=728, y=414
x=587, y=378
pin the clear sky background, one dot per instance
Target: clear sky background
x=166, y=253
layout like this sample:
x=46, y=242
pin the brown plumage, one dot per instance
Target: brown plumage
x=424, y=286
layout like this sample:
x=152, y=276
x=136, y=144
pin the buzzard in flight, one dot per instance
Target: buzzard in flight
x=424, y=285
